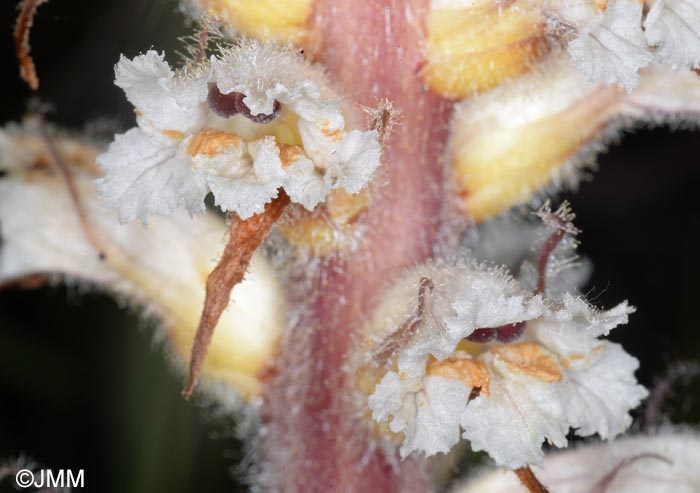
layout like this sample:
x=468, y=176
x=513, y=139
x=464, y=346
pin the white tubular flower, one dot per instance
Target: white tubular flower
x=611, y=48
x=664, y=463
x=561, y=376
x=162, y=268
x=616, y=38
x=326, y=157
x=541, y=371
x=673, y=26
x=242, y=125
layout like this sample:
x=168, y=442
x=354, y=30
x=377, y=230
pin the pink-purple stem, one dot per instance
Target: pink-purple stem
x=317, y=436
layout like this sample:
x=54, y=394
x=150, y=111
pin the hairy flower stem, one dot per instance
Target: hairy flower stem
x=317, y=438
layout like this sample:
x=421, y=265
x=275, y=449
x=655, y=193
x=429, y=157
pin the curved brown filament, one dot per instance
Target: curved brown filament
x=25, y=20
x=245, y=238
x=67, y=176
x=604, y=483
x=403, y=335
x=530, y=481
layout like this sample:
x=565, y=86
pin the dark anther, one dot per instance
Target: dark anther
x=482, y=335
x=3, y=173
x=102, y=257
x=228, y=105
x=511, y=332
x=504, y=333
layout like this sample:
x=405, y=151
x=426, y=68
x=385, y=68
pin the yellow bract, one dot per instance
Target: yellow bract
x=474, y=48
x=526, y=136
x=507, y=166
x=262, y=19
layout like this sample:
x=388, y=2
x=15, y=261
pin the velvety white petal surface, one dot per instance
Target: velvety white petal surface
x=673, y=26
x=438, y=408
x=559, y=375
x=183, y=149
x=143, y=177
x=612, y=48
x=513, y=422
x=599, y=396
x=303, y=185
x=160, y=102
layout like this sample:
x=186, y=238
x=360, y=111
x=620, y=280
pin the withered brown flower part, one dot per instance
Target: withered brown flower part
x=530, y=481
x=25, y=20
x=245, y=236
x=32, y=281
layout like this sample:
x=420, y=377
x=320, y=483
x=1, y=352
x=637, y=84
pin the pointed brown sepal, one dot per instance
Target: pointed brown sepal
x=530, y=481
x=24, y=25
x=244, y=239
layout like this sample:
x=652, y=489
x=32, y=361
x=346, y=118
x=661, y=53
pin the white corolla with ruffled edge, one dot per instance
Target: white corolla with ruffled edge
x=182, y=149
x=613, y=40
x=505, y=398
x=611, y=46
x=674, y=27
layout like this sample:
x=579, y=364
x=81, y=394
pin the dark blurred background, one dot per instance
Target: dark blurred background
x=83, y=386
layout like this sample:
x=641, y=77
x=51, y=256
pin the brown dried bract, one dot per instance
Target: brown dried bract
x=24, y=25
x=32, y=281
x=245, y=238
x=530, y=481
